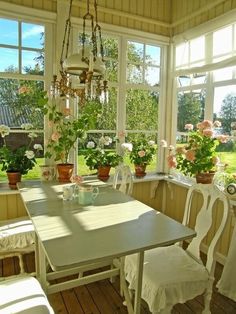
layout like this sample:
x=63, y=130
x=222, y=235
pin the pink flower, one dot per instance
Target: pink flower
x=208, y=132
x=188, y=127
x=171, y=161
x=55, y=136
x=121, y=134
x=24, y=90
x=222, y=138
x=206, y=124
x=190, y=155
x=141, y=153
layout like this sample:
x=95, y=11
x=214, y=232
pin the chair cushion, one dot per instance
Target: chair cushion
x=23, y=295
x=16, y=233
x=170, y=276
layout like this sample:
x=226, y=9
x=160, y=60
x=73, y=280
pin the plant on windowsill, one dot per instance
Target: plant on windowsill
x=141, y=152
x=198, y=157
x=96, y=157
x=18, y=161
x=65, y=130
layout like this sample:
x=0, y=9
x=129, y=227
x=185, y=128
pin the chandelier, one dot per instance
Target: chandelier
x=82, y=73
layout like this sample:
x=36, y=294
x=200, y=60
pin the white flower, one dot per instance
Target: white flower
x=38, y=147
x=4, y=130
x=127, y=147
x=151, y=143
x=90, y=144
x=29, y=154
x=105, y=140
x=27, y=126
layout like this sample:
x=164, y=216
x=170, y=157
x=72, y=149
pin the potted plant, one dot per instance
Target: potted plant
x=65, y=130
x=96, y=157
x=198, y=157
x=141, y=153
x=18, y=161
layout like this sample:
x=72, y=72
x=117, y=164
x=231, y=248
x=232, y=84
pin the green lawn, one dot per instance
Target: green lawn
x=226, y=157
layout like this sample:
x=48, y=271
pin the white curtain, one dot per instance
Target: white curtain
x=227, y=282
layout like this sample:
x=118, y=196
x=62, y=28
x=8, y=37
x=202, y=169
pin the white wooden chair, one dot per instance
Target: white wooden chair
x=173, y=275
x=123, y=179
x=17, y=237
x=23, y=295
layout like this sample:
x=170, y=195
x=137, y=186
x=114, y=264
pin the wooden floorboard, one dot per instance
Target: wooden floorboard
x=103, y=297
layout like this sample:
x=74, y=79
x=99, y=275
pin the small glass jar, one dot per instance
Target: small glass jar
x=220, y=176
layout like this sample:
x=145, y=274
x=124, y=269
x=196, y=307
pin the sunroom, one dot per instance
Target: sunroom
x=152, y=73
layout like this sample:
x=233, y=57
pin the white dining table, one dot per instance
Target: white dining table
x=72, y=238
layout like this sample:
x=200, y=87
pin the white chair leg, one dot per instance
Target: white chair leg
x=21, y=263
x=207, y=297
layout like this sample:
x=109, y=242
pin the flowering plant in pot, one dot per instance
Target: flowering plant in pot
x=199, y=154
x=141, y=152
x=101, y=159
x=65, y=130
x=20, y=159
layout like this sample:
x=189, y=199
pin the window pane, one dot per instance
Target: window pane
x=182, y=54
x=20, y=102
x=142, y=110
x=135, y=51
x=8, y=60
x=111, y=70
x=107, y=120
x=30, y=63
x=197, y=49
x=8, y=32
x=32, y=35
x=223, y=74
x=184, y=80
x=110, y=46
x=191, y=107
x=152, y=76
x=135, y=74
x=222, y=41
x=153, y=55
x=225, y=106
x=199, y=78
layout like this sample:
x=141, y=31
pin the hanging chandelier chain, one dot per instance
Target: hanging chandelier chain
x=98, y=28
x=66, y=38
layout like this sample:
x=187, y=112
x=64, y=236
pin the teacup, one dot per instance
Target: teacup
x=87, y=194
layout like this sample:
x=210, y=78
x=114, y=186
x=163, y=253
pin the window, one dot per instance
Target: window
x=22, y=80
x=210, y=93
x=132, y=105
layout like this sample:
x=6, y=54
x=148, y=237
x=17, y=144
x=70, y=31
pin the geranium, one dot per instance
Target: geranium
x=66, y=128
x=21, y=159
x=199, y=154
x=97, y=155
x=141, y=151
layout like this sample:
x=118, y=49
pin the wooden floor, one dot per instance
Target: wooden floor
x=103, y=297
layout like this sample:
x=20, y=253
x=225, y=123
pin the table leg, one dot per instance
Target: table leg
x=42, y=270
x=138, y=289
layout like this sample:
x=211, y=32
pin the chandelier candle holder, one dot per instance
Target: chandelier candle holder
x=82, y=73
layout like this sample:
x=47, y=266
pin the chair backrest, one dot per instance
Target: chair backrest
x=124, y=179
x=204, y=220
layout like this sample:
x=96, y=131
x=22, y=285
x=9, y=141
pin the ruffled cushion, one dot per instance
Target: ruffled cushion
x=23, y=295
x=16, y=233
x=170, y=276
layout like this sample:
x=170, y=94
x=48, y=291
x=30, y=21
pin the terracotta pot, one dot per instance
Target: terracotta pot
x=13, y=178
x=140, y=170
x=103, y=172
x=64, y=172
x=205, y=177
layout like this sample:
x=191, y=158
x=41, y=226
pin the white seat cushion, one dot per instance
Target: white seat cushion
x=16, y=233
x=23, y=295
x=177, y=278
